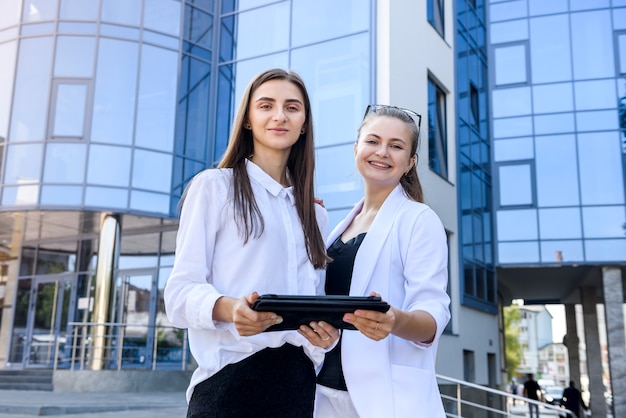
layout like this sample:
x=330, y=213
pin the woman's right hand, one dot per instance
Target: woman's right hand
x=248, y=321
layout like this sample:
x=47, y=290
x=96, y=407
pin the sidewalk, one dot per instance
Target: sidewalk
x=24, y=403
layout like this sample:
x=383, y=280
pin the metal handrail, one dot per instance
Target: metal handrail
x=460, y=402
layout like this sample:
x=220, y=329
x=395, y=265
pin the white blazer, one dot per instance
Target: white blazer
x=404, y=257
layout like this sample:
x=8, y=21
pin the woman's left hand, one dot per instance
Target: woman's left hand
x=373, y=324
x=320, y=334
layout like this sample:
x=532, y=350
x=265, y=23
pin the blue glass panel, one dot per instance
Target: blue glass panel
x=162, y=16
x=552, y=98
x=604, y=222
x=586, y=4
x=597, y=121
x=139, y=261
x=312, y=22
x=621, y=47
x=33, y=29
x=32, y=90
x=127, y=12
x=518, y=252
x=556, y=170
x=506, y=128
x=509, y=10
x=7, y=56
x=69, y=110
x=605, y=250
x=38, y=10
x=248, y=4
x=149, y=202
x=337, y=75
x=77, y=28
x=79, y=9
x=65, y=163
x=619, y=18
x=542, y=7
x=515, y=185
x=561, y=223
x=601, y=175
x=156, y=107
x=592, y=45
x=596, y=94
x=160, y=39
x=516, y=225
x=75, y=56
x=549, y=49
x=109, y=165
x=570, y=251
x=119, y=31
x=513, y=149
x=114, y=98
x=152, y=171
x=262, y=31
x=106, y=197
x=196, y=135
x=515, y=30
x=227, y=39
x=510, y=64
x=198, y=27
x=62, y=195
x=337, y=180
x=554, y=124
x=511, y=102
x=23, y=164
x=10, y=15
x=23, y=195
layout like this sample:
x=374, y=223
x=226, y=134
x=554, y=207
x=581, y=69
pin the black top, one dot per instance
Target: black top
x=338, y=279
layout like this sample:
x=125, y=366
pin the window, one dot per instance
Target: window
x=469, y=372
x=437, y=130
x=435, y=15
x=70, y=105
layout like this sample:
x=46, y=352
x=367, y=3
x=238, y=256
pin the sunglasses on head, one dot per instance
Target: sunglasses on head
x=374, y=107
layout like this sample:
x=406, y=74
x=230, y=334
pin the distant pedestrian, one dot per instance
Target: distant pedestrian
x=513, y=389
x=532, y=391
x=572, y=399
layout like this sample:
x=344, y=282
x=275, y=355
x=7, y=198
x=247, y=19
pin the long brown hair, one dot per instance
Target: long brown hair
x=410, y=181
x=300, y=165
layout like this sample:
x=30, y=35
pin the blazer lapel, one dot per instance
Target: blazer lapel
x=372, y=245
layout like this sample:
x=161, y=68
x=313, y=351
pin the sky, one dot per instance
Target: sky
x=558, y=322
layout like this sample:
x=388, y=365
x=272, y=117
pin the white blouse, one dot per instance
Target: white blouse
x=211, y=261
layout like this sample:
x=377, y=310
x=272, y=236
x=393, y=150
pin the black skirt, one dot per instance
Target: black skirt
x=275, y=382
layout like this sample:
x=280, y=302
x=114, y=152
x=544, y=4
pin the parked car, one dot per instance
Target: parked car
x=553, y=395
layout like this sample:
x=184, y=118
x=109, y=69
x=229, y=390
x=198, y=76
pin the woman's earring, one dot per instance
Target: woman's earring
x=302, y=131
x=247, y=125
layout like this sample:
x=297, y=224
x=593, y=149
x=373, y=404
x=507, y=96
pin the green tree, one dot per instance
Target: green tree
x=511, y=339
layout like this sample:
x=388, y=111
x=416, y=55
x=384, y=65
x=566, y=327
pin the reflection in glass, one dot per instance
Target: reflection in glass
x=605, y=250
x=550, y=98
x=20, y=317
x=600, y=184
x=32, y=89
x=22, y=195
x=511, y=102
x=74, y=56
x=561, y=223
x=549, y=56
x=79, y=9
x=592, y=45
x=62, y=195
x=595, y=94
x=337, y=76
x=20, y=164
x=262, y=31
x=106, y=197
x=570, y=251
x=65, y=163
x=513, y=149
x=311, y=21
x=515, y=185
x=518, y=252
x=557, y=171
x=69, y=110
x=156, y=107
x=604, y=222
x=510, y=64
x=109, y=165
x=114, y=107
x=38, y=10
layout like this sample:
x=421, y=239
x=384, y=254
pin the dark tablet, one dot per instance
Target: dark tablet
x=299, y=310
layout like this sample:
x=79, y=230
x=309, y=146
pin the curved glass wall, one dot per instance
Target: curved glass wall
x=559, y=147
x=89, y=121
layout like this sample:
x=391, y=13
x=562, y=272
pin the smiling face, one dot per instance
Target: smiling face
x=383, y=151
x=276, y=116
